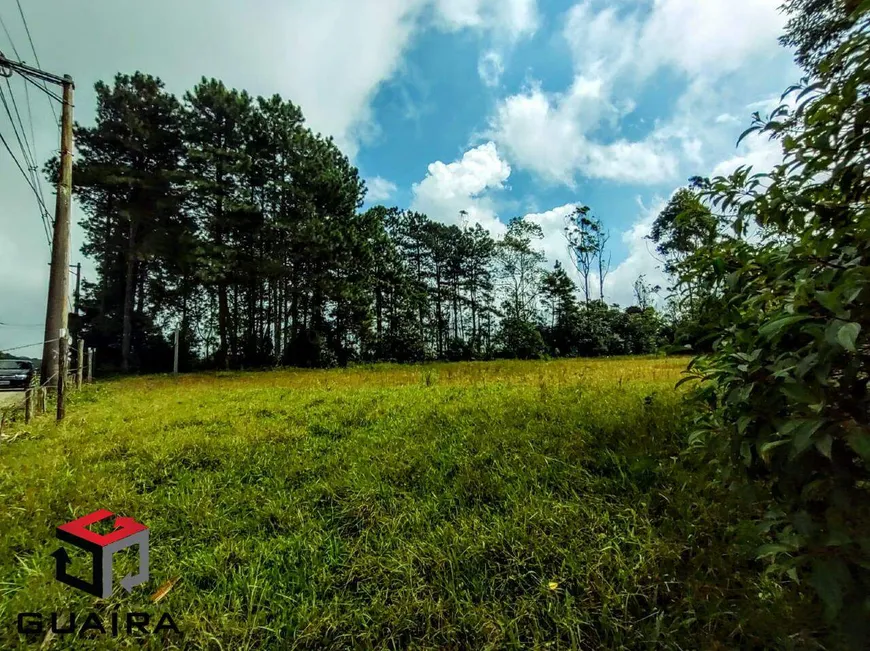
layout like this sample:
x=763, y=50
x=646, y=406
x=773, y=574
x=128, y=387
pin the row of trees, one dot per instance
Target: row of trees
x=225, y=217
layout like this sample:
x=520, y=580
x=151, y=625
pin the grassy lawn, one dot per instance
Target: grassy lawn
x=481, y=505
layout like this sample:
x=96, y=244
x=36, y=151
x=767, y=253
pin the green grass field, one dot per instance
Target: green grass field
x=481, y=506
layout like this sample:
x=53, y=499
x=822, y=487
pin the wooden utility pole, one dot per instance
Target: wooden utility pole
x=175, y=363
x=56, y=312
x=56, y=315
x=80, y=363
x=63, y=351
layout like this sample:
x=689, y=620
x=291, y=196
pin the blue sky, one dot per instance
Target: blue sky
x=501, y=108
x=613, y=105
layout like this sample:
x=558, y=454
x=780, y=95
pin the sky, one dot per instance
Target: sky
x=500, y=108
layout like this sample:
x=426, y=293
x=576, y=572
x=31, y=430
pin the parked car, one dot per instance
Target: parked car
x=16, y=373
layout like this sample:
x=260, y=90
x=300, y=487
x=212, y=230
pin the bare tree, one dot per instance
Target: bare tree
x=587, y=242
x=602, y=237
x=643, y=292
x=581, y=245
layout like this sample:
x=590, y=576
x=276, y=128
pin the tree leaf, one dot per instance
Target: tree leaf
x=803, y=435
x=860, y=443
x=772, y=328
x=772, y=549
x=847, y=335
x=824, y=444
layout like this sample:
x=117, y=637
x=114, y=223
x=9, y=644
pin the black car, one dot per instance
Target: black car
x=15, y=373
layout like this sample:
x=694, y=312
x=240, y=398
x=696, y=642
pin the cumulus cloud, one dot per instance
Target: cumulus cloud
x=616, y=50
x=554, y=245
x=467, y=184
x=379, y=189
x=757, y=151
x=547, y=134
x=708, y=38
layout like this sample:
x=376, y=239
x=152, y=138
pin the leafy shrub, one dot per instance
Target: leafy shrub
x=783, y=400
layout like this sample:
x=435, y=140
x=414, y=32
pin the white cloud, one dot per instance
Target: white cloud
x=507, y=19
x=758, y=151
x=766, y=105
x=616, y=50
x=466, y=184
x=505, y=22
x=518, y=17
x=379, y=189
x=490, y=68
x=601, y=39
x=547, y=134
x=696, y=38
x=554, y=245
x=710, y=37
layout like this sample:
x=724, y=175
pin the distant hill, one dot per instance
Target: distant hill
x=36, y=361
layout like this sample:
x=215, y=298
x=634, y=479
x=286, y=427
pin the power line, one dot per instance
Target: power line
x=9, y=36
x=24, y=152
x=31, y=164
x=36, y=175
x=26, y=178
x=29, y=161
x=45, y=90
x=27, y=29
x=31, y=150
x=33, y=49
x=9, y=350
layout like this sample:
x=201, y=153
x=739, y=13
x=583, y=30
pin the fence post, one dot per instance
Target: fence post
x=62, y=370
x=80, y=363
x=28, y=403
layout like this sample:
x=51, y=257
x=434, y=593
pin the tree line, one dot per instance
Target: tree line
x=225, y=217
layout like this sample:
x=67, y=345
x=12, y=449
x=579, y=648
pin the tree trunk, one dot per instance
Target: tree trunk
x=141, y=275
x=234, y=329
x=129, y=290
x=280, y=316
x=223, y=319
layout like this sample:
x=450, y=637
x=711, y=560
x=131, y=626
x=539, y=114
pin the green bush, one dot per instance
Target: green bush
x=783, y=400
